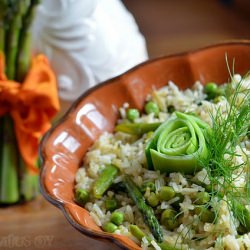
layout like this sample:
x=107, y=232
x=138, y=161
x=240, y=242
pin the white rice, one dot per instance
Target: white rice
x=127, y=153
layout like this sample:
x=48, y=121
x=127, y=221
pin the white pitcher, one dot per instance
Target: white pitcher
x=87, y=41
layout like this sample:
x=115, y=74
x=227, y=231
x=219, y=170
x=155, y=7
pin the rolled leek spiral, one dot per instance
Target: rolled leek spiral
x=177, y=145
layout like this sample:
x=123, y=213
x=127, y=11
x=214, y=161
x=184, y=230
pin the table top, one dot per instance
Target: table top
x=39, y=225
x=169, y=27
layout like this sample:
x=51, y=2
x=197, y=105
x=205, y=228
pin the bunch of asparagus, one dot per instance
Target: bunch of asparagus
x=16, y=17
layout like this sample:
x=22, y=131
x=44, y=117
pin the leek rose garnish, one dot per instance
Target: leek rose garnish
x=177, y=145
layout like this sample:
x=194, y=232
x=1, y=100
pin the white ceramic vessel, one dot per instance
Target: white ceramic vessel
x=87, y=41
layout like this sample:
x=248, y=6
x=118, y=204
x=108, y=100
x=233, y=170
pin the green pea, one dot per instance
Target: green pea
x=221, y=90
x=153, y=200
x=109, y=227
x=132, y=114
x=169, y=220
x=219, y=99
x=211, y=90
x=208, y=188
x=111, y=204
x=81, y=196
x=242, y=229
x=151, y=107
x=117, y=218
x=206, y=215
x=171, y=109
x=176, y=204
x=148, y=184
x=166, y=193
x=202, y=198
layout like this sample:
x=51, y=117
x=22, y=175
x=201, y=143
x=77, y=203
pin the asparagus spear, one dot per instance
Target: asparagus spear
x=104, y=181
x=8, y=165
x=137, y=128
x=146, y=211
x=3, y=11
x=18, y=9
x=29, y=184
x=8, y=155
x=24, y=52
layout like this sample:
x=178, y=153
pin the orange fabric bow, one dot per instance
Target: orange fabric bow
x=31, y=105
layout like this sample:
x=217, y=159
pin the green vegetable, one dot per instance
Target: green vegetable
x=81, y=196
x=118, y=187
x=171, y=109
x=166, y=246
x=169, y=220
x=206, y=215
x=24, y=52
x=9, y=186
x=219, y=99
x=151, y=107
x=149, y=134
x=109, y=227
x=202, y=198
x=211, y=90
x=137, y=232
x=117, y=218
x=152, y=200
x=13, y=34
x=15, y=181
x=226, y=133
x=133, y=114
x=104, y=181
x=176, y=204
x=176, y=145
x=241, y=213
x=111, y=204
x=146, y=211
x=241, y=230
x=148, y=184
x=137, y=128
x=3, y=15
x=166, y=193
x=29, y=182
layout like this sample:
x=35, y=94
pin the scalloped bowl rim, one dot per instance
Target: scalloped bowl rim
x=61, y=204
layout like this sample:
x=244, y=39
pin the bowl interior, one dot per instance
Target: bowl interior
x=63, y=147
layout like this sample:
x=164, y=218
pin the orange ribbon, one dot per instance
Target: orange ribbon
x=31, y=105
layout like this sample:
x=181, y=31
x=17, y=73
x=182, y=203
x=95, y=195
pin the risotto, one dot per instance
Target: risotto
x=175, y=175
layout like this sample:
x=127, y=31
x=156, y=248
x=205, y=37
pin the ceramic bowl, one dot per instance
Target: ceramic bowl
x=64, y=146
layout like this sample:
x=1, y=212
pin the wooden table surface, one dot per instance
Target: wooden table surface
x=169, y=27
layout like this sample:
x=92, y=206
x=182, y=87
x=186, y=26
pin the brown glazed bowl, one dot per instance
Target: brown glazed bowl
x=64, y=146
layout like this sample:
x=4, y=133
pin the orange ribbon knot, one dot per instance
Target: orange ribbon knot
x=31, y=105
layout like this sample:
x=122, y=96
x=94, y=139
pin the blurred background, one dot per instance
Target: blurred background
x=169, y=27
x=176, y=26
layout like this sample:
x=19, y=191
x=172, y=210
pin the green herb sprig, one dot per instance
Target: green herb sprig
x=228, y=130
